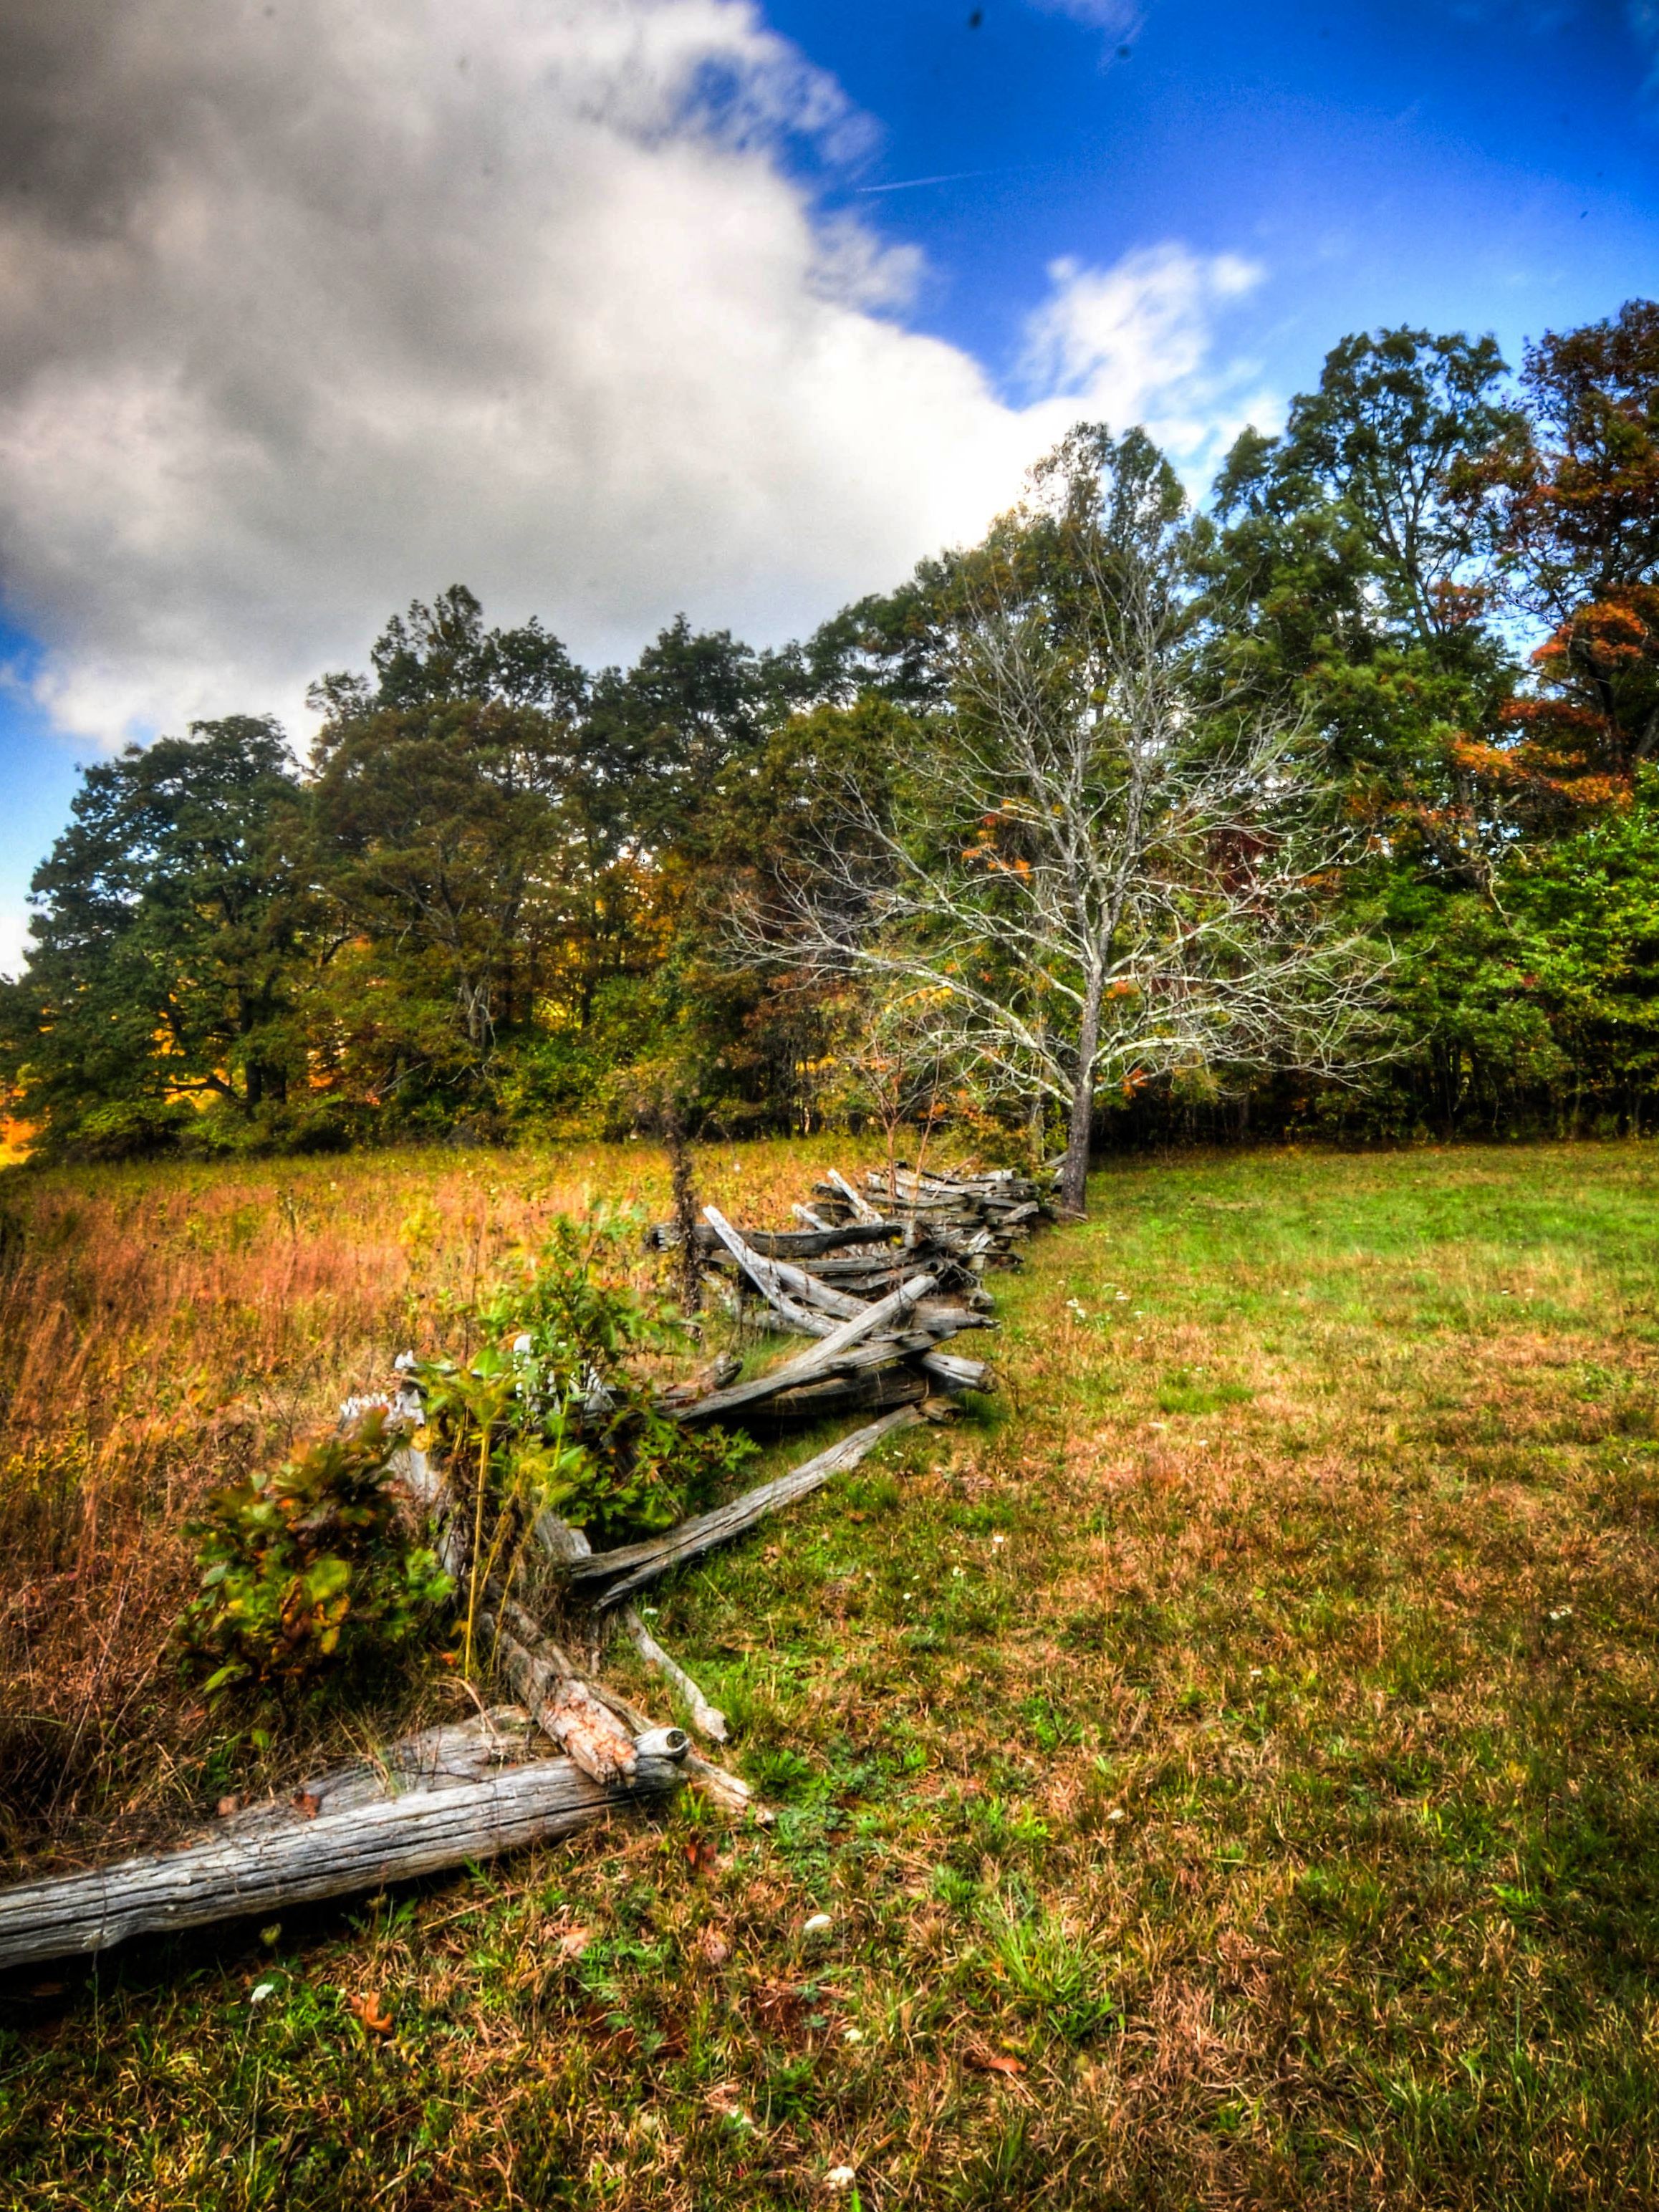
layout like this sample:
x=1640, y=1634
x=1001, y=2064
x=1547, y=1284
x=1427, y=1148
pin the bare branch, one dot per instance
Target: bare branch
x=1092, y=876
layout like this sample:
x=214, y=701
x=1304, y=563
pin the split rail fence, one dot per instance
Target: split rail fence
x=880, y=1280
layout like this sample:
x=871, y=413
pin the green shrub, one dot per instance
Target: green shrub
x=312, y=1122
x=123, y=1129
x=549, y=1414
x=310, y=1571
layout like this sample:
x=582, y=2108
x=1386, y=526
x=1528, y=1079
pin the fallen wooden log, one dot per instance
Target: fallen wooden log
x=767, y=1318
x=993, y=1182
x=788, y=1244
x=823, y=1360
x=959, y=1277
x=707, y=1720
x=845, y=1288
x=565, y=1706
x=795, y=1292
x=779, y=1281
x=956, y=1373
x=766, y=1275
x=862, y=1211
x=724, y=1789
x=885, y=1267
x=718, y=1784
x=758, y=1399
x=639, y=1564
x=558, y=1539
x=873, y=1319
x=864, y=1319
x=791, y=1388
x=931, y=1193
x=876, y=1390
x=362, y=1847
x=949, y=1317
x=449, y=1757
x=903, y=1181
x=937, y=1217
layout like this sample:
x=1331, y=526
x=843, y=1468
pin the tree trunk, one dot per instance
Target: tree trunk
x=1074, y=1175
x=684, y=1183
x=1035, y=1115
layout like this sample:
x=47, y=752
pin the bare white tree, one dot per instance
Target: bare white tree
x=1092, y=875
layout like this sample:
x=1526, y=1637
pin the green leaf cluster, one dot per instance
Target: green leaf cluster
x=551, y=1413
x=310, y=1572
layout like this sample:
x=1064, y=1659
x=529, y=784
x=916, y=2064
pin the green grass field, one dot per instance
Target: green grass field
x=1228, y=1763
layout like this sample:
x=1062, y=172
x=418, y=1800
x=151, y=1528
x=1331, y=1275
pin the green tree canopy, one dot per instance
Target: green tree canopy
x=171, y=917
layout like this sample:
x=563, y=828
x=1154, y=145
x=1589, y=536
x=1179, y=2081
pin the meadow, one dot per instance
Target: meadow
x=1227, y=1759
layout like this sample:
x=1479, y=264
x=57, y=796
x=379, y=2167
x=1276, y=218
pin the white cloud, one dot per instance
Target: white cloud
x=1135, y=343
x=1119, y=19
x=312, y=309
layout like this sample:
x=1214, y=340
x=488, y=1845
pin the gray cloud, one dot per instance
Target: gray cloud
x=309, y=308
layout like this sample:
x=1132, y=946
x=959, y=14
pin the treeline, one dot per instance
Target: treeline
x=498, y=898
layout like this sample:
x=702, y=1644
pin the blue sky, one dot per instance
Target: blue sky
x=1486, y=166
x=1492, y=167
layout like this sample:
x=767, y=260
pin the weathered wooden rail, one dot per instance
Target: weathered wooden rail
x=281, y=1861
